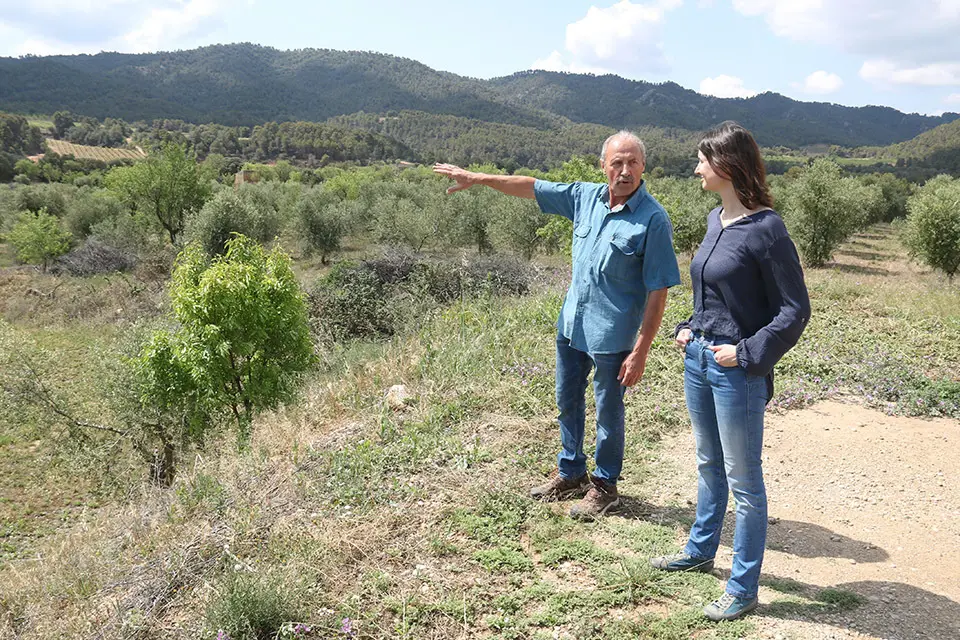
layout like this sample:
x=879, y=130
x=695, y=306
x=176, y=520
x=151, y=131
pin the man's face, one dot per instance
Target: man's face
x=624, y=166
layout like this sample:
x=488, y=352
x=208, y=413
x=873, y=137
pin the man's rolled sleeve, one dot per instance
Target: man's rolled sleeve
x=558, y=198
x=660, y=268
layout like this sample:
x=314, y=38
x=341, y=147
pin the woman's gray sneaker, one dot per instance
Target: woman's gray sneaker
x=729, y=607
x=681, y=562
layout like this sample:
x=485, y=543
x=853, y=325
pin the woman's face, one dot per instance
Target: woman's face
x=709, y=178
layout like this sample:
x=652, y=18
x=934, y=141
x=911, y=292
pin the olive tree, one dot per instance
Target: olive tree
x=823, y=209
x=687, y=204
x=933, y=224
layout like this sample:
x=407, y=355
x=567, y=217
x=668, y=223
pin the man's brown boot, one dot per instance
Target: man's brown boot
x=601, y=498
x=560, y=488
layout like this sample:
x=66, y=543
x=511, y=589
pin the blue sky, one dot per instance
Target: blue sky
x=900, y=53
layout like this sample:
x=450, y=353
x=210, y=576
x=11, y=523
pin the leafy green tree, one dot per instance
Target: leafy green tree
x=244, y=334
x=895, y=192
x=823, y=209
x=516, y=225
x=319, y=223
x=474, y=209
x=168, y=185
x=62, y=121
x=933, y=224
x=418, y=219
x=38, y=238
x=229, y=213
x=687, y=204
x=28, y=168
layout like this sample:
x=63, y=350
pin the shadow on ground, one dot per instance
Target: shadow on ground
x=889, y=610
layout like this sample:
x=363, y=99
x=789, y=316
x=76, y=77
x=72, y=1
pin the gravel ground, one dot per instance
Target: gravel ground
x=859, y=501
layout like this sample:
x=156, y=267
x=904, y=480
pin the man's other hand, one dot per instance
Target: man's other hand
x=632, y=368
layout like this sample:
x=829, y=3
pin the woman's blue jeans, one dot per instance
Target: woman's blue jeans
x=573, y=367
x=726, y=408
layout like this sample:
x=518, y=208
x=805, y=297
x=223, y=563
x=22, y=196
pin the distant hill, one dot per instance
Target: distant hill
x=937, y=148
x=466, y=141
x=246, y=84
x=774, y=119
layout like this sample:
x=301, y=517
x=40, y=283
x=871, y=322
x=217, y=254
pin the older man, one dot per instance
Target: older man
x=623, y=263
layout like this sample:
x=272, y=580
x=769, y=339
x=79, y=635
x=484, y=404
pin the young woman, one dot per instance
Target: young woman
x=750, y=306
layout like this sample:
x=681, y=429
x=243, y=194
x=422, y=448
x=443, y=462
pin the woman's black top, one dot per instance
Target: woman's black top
x=748, y=287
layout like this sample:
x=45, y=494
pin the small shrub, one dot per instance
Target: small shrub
x=39, y=238
x=320, y=224
x=250, y=606
x=933, y=224
x=351, y=302
x=224, y=215
x=89, y=210
x=823, y=209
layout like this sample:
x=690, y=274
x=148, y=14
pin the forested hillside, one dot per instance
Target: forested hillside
x=247, y=84
x=775, y=119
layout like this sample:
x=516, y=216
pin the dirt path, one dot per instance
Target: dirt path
x=859, y=501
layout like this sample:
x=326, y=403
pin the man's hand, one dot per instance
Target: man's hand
x=519, y=186
x=464, y=179
x=725, y=354
x=683, y=337
x=632, y=368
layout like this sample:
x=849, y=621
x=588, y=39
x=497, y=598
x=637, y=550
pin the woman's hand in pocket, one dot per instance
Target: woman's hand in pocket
x=725, y=354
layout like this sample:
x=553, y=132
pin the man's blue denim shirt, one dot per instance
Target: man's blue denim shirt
x=618, y=256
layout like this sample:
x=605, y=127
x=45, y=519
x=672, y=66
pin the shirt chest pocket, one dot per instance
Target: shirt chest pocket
x=622, y=260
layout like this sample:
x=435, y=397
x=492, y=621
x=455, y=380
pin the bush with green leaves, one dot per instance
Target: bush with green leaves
x=933, y=224
x=51, y=197
x=687, y=204
x=320, y=222
x=227, y=214
x=38, y=238
x=90, y=208
x=244, y=332
x=823, y=209
x=516, y=226
x=894, y=192
x=351, y=301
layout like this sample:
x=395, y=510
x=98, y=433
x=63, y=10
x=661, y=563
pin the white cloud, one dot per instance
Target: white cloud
x=626, y=39
x=883, y=71
x=953, y=98
x=724, y=86
x=821, y=83
x=903, y=43
x=45, y=27
x=171, y=24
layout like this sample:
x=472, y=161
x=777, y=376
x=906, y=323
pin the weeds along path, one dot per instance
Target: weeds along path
x=369, y=522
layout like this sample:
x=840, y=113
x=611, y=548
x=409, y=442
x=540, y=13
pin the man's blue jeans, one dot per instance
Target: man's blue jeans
x=726, y=408
x=573, y=367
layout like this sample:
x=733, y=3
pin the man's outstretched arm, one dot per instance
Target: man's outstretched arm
x=519, y=186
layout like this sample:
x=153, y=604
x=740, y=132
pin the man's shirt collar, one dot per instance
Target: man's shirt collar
x=632, y=203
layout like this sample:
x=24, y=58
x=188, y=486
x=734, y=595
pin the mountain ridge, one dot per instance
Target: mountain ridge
x=247, y=84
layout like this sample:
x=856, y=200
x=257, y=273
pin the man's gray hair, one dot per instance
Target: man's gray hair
x=623, y=134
